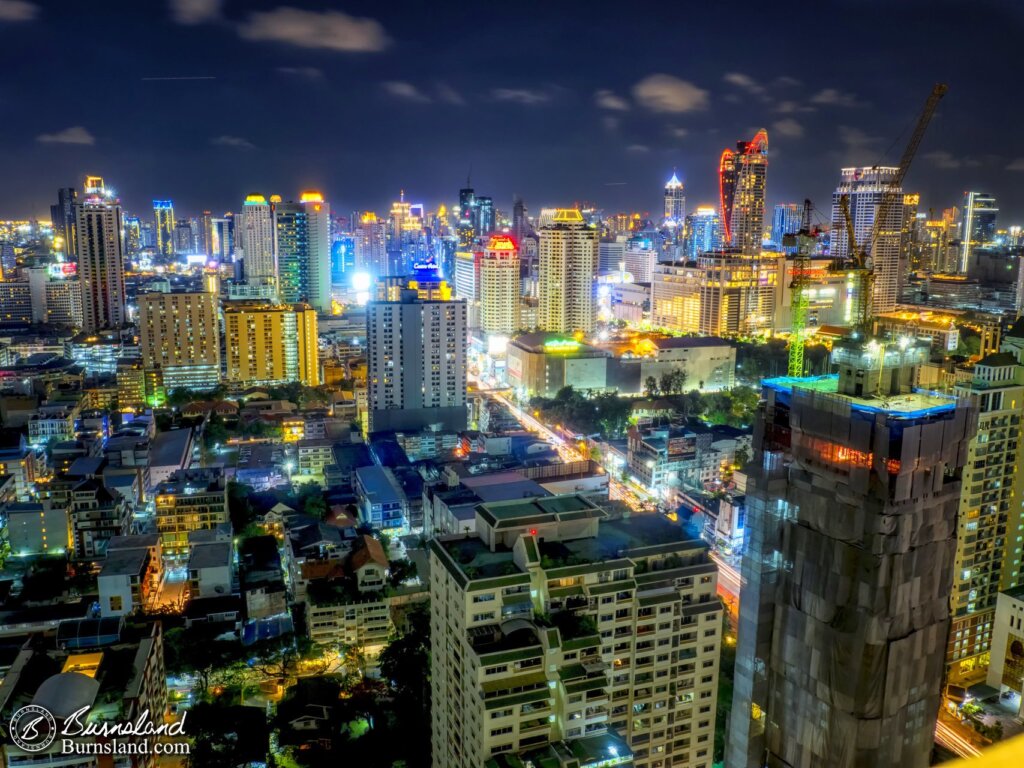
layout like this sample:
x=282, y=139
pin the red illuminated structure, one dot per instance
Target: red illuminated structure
x=739, y=170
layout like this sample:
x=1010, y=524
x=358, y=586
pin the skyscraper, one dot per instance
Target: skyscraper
x=703, y=232
x=269, y=344
x=566, y=635
x=568, y=259
x=865, y=189
x=62, y=216
x=257, y=237
x=851, y=516
x=485, y=216
x=979, y=224
x=467, y=217
x=100, y=257
x=371, y=245
x=183, y=238
x=675, y=201
x=416, y=339
x=302, y=232
x=786, y=220
x=988, y=556
x=132, y=235
x=499, y=286
x=742, y=179
x=179, y=336
x=206, y=234
x=163, y=216
x=520, y=222
x=222, y=239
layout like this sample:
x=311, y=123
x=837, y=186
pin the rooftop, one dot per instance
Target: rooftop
x=911, y=405
x=170, y=448
x=214, y=554
x=124, y=562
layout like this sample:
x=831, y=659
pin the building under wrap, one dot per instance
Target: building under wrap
x=851, y=525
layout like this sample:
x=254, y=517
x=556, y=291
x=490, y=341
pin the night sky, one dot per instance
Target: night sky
x=557, y=101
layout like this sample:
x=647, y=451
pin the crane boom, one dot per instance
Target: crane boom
x=804, y=242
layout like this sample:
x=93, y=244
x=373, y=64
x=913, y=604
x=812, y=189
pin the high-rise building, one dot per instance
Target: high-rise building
x=63, y=217
x=979, y=224
x=371, y=245
x=485, y=216
x=865, y=189
x=100, y=257
x=267, y=344
x=257, y=238
x=703, y=232
x=467, y=217
x=988, y=556
x=303, y=241
x=179, y=335
x=564, y=635
x=416, y=338
x=851, y=521
x=206, y=234
x=786, y=220
x=222, y=239
x=132, y=235
x=567, y=262
x=742, y=180
x=184, y=238
x=675, y=202
x=499, y=286
x=520, y=222
x=163, y=216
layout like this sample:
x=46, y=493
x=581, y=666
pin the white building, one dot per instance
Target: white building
x=499, y=287
x=257, y=238
x=568, y=259
x=866, y=188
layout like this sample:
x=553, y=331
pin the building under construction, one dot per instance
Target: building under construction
x=852, y=500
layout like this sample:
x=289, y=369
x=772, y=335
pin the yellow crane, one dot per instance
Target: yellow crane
x=858, y=258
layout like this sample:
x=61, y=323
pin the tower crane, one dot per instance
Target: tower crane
x=804, y=243
x=859, y=256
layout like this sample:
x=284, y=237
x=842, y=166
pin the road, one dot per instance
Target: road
x=946, y=736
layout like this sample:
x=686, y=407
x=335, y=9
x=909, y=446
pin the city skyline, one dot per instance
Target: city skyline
x=566, y=126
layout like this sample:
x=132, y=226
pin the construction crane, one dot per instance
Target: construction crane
x=859, y=256
x=803, y=241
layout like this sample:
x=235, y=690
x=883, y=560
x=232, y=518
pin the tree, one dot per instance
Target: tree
x=400, y=571
x=742, y=456
x=311, y=500
x=405, y=665
x=215, y=433
x=650, y=386
x=240, y=509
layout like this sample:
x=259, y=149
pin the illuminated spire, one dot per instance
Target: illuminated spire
x=674, y=182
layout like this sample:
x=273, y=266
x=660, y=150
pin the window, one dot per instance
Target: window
x=115, y=603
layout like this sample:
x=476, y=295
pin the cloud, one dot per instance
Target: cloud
x=1016, y=165
x=606, y=99
x=835, y=97
x=942, y=159
x=789, y=128
x=611, y=123
x=855, y=138
x=789, y=107
x=18, y=10
x=638, y=149
x=665, y=93
x=333, y=30
x=309, y=73
x=526, y=96
x=235, y=142
x=785, y=81
x=195, y=11
x=74, y=135
x=678, y=133
x=406, y=91
x=746, y=82
x=448, y=95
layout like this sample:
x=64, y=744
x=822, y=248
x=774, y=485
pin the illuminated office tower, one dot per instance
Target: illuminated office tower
x=62, y=216
x=865, y=189
x=467, y=217
x=257, y=239
x=163, y=216
x=270, y=344
x=564, y=634
x=485, y=216
x=703, y=232
x=979, y=224
x=416, y=340
x=132, y=235
x=991, y=517
x=303, y=241
x=675, y=202
x=184, y=238
x=787, y=219
x=499, y=286
x=100, y=257
x=851, y=523
x=222, y=239
x=567, y=255
x=179, y=335
x=742, y=178
x=466, y=281
x=371, y=245
x=206, y=234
